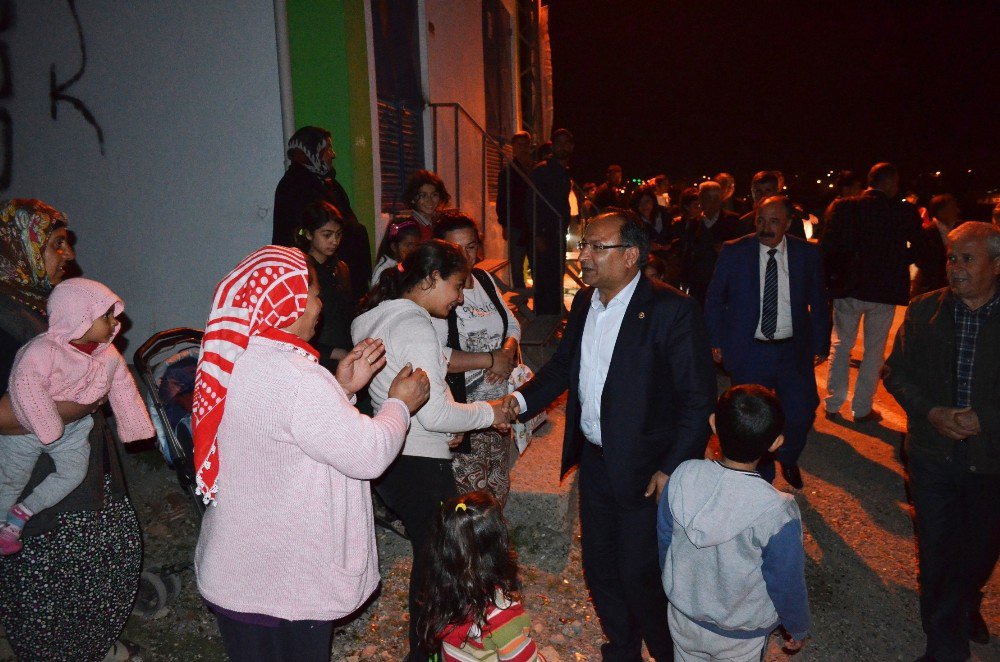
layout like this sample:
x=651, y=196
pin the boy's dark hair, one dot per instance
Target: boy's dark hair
x=469, y=560
x=451, y=220
x=748, y=418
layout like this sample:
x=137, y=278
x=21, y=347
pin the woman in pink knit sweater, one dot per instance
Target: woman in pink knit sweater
x=73, y=361
x=285, y=459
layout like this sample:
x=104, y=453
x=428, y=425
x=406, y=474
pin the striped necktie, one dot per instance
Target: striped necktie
x=769, y=314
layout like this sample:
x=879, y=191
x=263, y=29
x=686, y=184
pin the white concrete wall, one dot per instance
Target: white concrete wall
x=455, y=74
x=187, y=95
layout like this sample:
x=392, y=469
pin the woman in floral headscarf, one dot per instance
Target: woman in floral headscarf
x=286, y=460
x=67, y=594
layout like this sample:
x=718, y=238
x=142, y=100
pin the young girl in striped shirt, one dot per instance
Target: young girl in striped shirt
x=471, y=589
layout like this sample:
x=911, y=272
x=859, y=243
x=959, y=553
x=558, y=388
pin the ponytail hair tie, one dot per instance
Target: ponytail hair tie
x=399, y=267
x=395, y=228
x=460, y=506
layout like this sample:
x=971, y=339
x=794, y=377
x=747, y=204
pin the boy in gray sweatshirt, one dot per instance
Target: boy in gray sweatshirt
x=730, y=544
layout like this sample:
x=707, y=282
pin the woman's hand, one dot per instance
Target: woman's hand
x=360, y=365
x=411, y=386
x=68, y=412
x=503, y=363
x=8, y=423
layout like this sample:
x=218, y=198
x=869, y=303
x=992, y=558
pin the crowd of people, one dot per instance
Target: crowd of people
x=322, y=373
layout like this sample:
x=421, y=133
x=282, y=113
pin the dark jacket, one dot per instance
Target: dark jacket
x=732, y=309
x=299, y=188
x=865, y=252
x=700, y=248
x=929, y=256
x=920, y=374
x=339, y=303
x=512, y=196
x=659, y=392
x=552, y=180
x=666, y=233
x=610, y=196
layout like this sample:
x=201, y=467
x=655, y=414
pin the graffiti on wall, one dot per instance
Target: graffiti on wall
x=57, y=91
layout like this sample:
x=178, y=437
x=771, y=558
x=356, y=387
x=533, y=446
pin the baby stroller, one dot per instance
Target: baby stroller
x=166, y=366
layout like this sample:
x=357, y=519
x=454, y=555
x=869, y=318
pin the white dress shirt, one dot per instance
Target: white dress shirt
x=784, y=328
x=600, y=334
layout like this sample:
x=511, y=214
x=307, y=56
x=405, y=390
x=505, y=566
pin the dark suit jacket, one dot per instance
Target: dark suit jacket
x=732, y=309
x=659, y=392
x=700, y=246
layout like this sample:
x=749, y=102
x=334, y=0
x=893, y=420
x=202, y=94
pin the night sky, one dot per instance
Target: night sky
x=698, y=86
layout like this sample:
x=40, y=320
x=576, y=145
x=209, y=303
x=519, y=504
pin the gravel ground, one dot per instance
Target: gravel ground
x=861, y=568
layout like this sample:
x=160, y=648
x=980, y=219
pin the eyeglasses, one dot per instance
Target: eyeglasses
x=599, y=248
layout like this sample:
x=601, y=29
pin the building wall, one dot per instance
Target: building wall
x=186, y=95
x=330, y=87
x=455, y=74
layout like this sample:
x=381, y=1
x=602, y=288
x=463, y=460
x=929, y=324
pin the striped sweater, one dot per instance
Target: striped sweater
x=506, y=637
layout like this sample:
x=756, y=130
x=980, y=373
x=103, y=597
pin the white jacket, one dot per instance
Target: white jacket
x=409, y=337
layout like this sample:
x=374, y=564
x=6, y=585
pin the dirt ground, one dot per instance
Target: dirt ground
x=861, y=568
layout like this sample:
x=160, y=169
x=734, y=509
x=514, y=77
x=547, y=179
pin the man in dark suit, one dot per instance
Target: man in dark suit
x=767, y=320
x=514, y=219
x=641, y=384
x=930, y=255
x=551, y=213
x=701, y=239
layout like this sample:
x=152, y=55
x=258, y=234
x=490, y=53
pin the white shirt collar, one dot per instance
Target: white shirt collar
x=622, y=298
x=782, y=247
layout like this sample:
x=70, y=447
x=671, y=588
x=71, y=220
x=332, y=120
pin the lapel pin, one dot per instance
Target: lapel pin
x=642, y=315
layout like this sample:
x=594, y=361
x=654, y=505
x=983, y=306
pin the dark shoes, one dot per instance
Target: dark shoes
x=832, y=415
x=871, y=417
x=792, y=475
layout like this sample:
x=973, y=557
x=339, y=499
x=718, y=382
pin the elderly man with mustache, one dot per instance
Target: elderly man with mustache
x=767, y=322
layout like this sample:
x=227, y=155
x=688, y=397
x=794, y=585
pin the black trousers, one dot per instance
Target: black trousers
x=291, y=641
x=621, y=568
x=414, y=487
x=958, y=536
x=547, y=272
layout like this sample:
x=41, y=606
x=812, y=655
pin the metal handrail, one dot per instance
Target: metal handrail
x=485, y=134
x=486, y=138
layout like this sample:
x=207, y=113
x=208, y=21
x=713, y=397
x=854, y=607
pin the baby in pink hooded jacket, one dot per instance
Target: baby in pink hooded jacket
x=73, y=361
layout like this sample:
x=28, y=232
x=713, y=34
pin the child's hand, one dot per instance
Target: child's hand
x=791, y=645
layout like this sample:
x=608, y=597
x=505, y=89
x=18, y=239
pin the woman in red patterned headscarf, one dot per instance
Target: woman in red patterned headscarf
x=285, y=459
